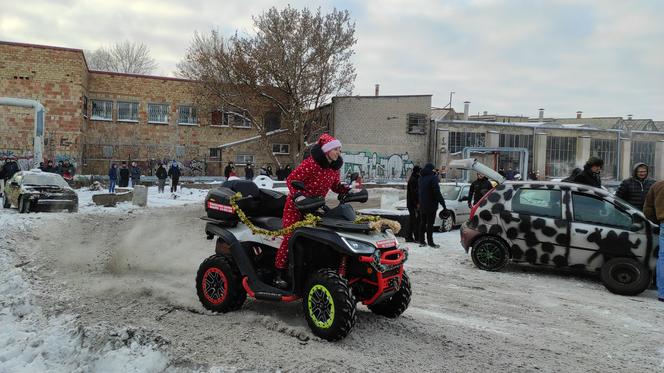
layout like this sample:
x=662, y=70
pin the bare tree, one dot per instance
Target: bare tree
x=294, y=63
x=123, y=57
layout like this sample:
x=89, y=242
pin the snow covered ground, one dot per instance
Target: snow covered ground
x=112, y=290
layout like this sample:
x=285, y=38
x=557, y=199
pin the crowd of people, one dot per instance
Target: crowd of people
x=63, y=168
x=281, y=173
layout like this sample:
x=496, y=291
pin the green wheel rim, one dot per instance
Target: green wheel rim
x=489, y=254
x=321, y=306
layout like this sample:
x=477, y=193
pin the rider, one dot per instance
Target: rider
x=319, y=173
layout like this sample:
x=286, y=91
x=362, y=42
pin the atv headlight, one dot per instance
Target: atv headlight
x=359, y=247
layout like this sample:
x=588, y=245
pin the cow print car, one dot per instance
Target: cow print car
x=563, y=225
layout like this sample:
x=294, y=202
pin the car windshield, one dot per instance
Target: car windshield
x=450, y=191
x=44, y=179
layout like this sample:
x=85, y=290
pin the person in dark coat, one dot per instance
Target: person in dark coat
x=249, y=171
x=8, y=170
x=478, y=189
x=174, y=173
x=161, y=177
x=590, y=174
x=429, y=197
x=112, y=177
x=268, y=171
x=135, y=173
x=124, y=175
x=287, y=171
x=228, y=169
x=413, y=204
x=575, y=172
x=50, y=167
x=635, y=189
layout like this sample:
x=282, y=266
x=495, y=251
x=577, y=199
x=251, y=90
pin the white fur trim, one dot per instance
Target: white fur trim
x=331, y=145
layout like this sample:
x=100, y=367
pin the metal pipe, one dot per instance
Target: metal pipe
x=38, y=134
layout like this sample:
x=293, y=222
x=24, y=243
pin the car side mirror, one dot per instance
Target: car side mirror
x=635, y=227
x=297, y=184
x=464, y=198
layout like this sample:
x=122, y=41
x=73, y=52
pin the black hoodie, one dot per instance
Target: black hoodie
x=587, y=176
x=429, y=190
x=634, y=189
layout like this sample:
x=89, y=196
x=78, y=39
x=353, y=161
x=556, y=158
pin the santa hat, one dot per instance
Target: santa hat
x=328, y=143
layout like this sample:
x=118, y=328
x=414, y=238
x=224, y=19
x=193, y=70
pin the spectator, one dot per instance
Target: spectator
x=161, y=177
x=112, y=177
x=591, y=173
x=575, y=172
x=232, y=173
x=135, y=173
x=287, y=171
x=635, y=188
x=653, y=208
x=280, y=173
x=429, y=197
x=50, y=167
x=412, y=202
x=532, y=175
x=478, y=189
x=174, y=173
x=501, y=171
x=42, y=166
x=268, y=171
x=509, y=174
x=58, y=168
x=249, y=171
x=8, y=170
x=124, y=175
x=227, y=170
x=68, y=170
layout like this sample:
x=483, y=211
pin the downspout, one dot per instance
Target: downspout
x=38, y=135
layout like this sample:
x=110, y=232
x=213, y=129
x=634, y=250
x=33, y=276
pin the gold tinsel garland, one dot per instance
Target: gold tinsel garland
x=375, y=222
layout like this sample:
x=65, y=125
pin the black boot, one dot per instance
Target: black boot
x=281, y=279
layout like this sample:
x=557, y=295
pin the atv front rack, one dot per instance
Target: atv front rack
x=389, y=271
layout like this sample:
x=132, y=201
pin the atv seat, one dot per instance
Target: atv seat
x=267, y=222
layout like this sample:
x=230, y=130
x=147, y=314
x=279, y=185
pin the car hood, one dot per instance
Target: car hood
x=473, y=164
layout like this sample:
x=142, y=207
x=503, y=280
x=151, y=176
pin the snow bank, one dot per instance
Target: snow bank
x=182, y=197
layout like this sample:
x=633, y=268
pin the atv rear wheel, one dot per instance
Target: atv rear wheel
x=329, y=305
x=218, y=284
x=395, y=305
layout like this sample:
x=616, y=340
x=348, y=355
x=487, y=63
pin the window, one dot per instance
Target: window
x=606, y=150
x=158, y=113
x=560, y=156
x=107, y=151
x=102, y=110
x=241, y=159
x=417, y=124
x=643, y=152
x=217, y=118
x=593, y=210
x=280, y=149
x=510, y=159
x=538, y=202
x=272, y=121
x=128, y=111
x=460, y=140
x=187, y=115
x=179, y=151
x=215, y=152
x=230, y=116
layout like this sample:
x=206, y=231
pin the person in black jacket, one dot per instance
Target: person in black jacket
x=124, y=175
x=590, y=174
x=174, y=173
x=412, y=202
x=635, y=189
x=575, y=172
x=249, y=171
x=228, y=169
x=8, y=170
x=478, y=189
x=161, y=177
x=429, y=197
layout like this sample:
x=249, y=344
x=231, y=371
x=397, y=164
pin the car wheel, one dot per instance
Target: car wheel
x=625, y=276
x=23, y=205
x=447, y=224
x=490, y=253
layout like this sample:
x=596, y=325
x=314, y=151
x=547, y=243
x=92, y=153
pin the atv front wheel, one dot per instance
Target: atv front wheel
x=329, y=305
x=395, y=305
x=219, y=286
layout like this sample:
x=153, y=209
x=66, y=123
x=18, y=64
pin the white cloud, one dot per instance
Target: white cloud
x=511, y=57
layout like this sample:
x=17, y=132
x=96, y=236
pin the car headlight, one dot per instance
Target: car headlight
x=359, y=246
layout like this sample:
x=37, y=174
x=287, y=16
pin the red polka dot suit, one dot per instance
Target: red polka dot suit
x=319, y=176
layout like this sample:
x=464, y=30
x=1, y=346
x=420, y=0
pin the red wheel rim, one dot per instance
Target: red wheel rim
x=215, y=285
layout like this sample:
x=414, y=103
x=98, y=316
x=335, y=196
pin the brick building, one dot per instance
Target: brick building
x=95, y=118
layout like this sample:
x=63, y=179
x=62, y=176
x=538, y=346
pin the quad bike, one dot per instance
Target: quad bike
x=332, y=265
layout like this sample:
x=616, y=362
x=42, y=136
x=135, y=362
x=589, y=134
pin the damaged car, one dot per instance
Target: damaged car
x=39, y=191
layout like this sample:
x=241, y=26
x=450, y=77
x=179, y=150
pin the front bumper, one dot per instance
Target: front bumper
x=54, y=203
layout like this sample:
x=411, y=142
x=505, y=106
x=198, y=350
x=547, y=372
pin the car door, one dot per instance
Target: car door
x=535, y=227
x=601, y=229
x=462, y=210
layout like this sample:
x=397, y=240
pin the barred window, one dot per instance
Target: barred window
x=214, y=152
x=187, y=115
x=560, y=156
x=417, y=123
x=507, y=160
x=280, y=148
x=241, y=159
x=643, y=152
x=102, y=110
x=607, y=150
x=460, y=140
x=158, y=113
x=128, y=111
x=272, y=121
x=217, y=118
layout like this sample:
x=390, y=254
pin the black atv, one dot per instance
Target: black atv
x=332, y=266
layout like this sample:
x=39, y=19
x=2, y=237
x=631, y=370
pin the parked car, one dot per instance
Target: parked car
x=456, y=201
x=39, y=191
x=563, y=225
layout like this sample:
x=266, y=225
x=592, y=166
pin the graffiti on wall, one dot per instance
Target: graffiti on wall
x=377, y=166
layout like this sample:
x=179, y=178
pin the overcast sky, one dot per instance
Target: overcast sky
x=604, y=57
